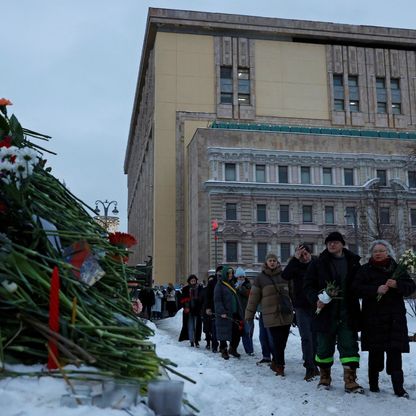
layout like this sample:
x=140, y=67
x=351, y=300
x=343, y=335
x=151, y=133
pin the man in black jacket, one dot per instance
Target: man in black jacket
x=337, y=315
x=295, y=272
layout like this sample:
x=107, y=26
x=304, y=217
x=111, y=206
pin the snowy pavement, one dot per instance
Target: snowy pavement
x=228, y=388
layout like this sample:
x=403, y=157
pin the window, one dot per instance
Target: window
x=284, y=213
x=354, y=106
x=261, y=252
x=411, y=174
x=354, y=94
x=338, y=84
x=385, y=215
x=305, y=174
x=327, y=176
x=381, y=93
x=396, y=108
x=283, y=174
x=350, y=215
x=396, y=98
x=226, y=84
x=230, y=174
x=284, y=252
x=382, y=175
x=413, y=217
x=348, y=176
x=260, y=173
x=261, y=212
x=329, y=215
x=231, y=253
x=307, y=213
x=231, y=212
x=243, y=76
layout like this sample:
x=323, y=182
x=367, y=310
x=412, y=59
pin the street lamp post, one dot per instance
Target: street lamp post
x=107, y=221
x=214, y=225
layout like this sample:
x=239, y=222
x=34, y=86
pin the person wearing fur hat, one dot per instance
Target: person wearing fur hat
x=228, y=314
x=191, y=301
x=272, y=293
x=295, y=272
x=337, y=317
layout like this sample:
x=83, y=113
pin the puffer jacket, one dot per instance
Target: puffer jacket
x=272, y=293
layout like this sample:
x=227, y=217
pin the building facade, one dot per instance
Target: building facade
x=280, y=130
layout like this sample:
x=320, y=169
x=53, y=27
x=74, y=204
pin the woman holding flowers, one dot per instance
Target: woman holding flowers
x=382, y=283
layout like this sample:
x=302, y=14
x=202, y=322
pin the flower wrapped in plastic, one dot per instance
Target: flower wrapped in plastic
x=332, y=291
x=405, y=265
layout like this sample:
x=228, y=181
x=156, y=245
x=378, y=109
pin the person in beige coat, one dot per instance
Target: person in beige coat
x=271, y=291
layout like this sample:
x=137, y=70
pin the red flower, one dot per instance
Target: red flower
x=6, y=142
x=5, y=101
x=123, y=240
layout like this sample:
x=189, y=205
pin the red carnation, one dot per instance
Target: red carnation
x=6, y=142
x=123, y=240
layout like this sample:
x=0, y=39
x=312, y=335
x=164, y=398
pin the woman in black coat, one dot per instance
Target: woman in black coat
x=384, y=325
x=228, y=314
x=191, y=301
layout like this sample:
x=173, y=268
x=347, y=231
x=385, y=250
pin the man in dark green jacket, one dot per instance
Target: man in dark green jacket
x=338, y=315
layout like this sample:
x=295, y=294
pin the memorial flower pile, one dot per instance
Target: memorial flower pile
x=64, y=299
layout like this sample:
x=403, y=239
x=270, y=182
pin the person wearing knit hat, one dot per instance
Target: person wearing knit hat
x=337, y=318
x=271, y=292
x=270, y=256
x=335, y=236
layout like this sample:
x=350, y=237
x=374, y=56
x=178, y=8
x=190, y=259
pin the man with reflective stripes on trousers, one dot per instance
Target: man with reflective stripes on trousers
x=337, y=321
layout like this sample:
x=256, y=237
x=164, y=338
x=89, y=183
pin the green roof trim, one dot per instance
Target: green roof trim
x=329, y=131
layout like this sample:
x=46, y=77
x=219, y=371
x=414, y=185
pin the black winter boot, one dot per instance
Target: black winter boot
x=397, y=380
x=373, y=380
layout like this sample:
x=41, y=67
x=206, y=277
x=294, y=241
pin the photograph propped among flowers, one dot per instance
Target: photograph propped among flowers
x=48, y=235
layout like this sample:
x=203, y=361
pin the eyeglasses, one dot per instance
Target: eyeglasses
x=379, y=251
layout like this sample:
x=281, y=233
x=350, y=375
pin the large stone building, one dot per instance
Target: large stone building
x=280, y=130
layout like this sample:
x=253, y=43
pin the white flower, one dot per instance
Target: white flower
x=9, y=286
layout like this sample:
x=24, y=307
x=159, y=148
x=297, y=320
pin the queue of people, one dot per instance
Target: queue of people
x=321, y=296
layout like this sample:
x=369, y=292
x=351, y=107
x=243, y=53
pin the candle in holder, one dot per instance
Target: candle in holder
x=165, y=397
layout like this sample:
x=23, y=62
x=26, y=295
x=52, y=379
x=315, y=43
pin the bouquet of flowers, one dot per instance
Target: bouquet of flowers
x=405, y=265
x=331, y=291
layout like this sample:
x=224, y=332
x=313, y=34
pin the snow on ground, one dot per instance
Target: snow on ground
x=228, y=388
x=240, y=387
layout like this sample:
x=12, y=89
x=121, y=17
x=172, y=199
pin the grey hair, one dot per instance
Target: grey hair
x=390, y=250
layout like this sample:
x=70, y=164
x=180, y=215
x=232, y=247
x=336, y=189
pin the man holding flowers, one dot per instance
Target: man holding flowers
x=336, y=323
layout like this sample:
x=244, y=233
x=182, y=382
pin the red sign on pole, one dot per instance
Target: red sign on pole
x=214, y=225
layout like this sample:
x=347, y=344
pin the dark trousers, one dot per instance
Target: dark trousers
x=266, y=340
x=393, y=368
x=345, y=339
x=235, y=338
x=304, y=320
x=279, y=334
x=393, y=362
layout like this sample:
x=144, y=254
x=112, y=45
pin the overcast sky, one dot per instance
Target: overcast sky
x=70, y=68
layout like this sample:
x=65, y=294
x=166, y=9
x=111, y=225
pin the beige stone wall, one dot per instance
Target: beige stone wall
x=291, y=80
x=184, y=81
